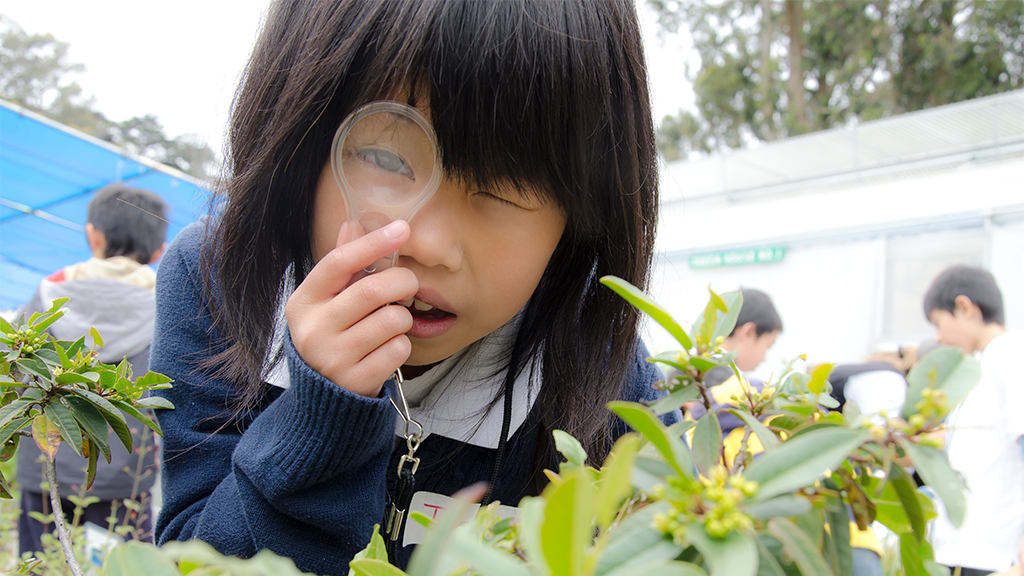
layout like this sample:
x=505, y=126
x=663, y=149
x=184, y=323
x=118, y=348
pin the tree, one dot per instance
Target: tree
x=35, y=73
x=771, y=69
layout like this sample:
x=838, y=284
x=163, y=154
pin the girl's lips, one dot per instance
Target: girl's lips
x=430, y=326
x=429, y=317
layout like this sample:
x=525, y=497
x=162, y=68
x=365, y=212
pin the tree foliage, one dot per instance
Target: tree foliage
x=771, y=69
x=36, y=73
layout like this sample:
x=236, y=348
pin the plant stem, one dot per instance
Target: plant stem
x=58, y=518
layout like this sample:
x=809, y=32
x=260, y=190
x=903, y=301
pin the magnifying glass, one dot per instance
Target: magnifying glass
x=386, y=161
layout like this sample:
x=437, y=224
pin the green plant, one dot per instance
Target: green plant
x=56, y=391
x=662, y=506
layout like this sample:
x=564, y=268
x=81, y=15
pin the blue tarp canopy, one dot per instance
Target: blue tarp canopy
x=48, y=174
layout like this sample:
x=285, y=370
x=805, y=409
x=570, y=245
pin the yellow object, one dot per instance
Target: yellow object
x=724, y=395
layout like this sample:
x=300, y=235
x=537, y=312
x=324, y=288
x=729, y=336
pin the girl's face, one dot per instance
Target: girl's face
x=478, y=256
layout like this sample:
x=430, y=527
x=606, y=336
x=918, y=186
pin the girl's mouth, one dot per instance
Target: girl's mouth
x=428, y=321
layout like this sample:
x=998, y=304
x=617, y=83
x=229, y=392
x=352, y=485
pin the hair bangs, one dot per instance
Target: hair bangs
x=508, y=86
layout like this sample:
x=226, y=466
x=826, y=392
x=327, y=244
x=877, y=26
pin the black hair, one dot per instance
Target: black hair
x=133, y=221
x=758, y=308
x=545, y=95
x=975, y=283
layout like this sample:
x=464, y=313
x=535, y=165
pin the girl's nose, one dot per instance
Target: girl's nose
x=435, y=237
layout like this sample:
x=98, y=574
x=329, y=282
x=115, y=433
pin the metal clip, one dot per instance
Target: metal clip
x=412, y=439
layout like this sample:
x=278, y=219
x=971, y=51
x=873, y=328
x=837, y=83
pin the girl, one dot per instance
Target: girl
x=284, y=435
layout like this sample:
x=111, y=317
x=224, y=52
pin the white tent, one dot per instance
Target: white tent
x=859, y=220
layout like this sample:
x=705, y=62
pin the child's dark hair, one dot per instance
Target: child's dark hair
x=551, y=96
x=133, y=221
x=758, y=308
x=975, y=283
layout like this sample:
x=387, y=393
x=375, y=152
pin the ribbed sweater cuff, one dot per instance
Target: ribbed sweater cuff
x=322, y=430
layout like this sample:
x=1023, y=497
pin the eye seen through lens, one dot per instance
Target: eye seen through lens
x=386, y=162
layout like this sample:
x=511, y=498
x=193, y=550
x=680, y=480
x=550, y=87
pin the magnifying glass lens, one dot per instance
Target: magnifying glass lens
x=386, y=162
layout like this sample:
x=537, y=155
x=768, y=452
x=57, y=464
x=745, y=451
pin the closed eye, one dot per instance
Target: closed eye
x=490, y=196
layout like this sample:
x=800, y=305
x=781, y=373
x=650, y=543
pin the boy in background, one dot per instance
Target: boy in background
x=983, y=436
x=113, y=292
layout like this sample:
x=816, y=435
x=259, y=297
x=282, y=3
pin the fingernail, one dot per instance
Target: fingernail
x=394, y=230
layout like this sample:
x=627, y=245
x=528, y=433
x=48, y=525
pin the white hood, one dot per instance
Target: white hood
x=123, y=314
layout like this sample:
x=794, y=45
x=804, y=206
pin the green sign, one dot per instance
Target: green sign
x=737, y=257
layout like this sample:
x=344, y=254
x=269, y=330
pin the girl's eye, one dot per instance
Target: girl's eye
x=385, y=160
x=490, y=196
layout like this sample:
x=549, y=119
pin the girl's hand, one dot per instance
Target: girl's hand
x=346, y=327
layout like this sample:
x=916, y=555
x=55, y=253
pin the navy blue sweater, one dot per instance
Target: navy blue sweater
x=305, y=473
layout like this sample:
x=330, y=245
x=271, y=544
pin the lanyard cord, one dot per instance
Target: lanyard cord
x=506, y=422
x=405, y=484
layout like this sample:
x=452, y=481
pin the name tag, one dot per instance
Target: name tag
x=432, y=506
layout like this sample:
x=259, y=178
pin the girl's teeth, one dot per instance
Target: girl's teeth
x=406, y=303
x=422, y=306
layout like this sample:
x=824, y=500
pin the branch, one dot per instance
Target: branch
x=58, y=518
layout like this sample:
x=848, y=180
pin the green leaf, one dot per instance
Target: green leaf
x=71, y=378
x=703, y=364
x=92, y=422
x=947, y=369
x=14, y=410
x=431, y=556
x=634, y=540
x=934, y=469
x=153, y=381
x=531, y=518
x=614, y=484
x=133, y=412
x=133, y=558
x=660, y=568
x=75, y=346
x=36, y=368
x=486, y=559
x=906, y=491
x=65, y=361
x=800, y=461
x=90, y=470
x=155, y=402
x=49, y=357
x=735, y=555
x=675, y=400
x=105, y=406
x=707, y=443
x=643, y=420
x=373, y=567
x=649, y=472
x=47, y=321
x=786, y=505
x=570, y=448
x=768, y=438
x=566, y=531
x=918, y=558
x=97, y=341
x=799, y=547
x=5, y=326
x=818, y=378
x=839, y=553
x=65, y=422
x=642, y=301
x=726, y=322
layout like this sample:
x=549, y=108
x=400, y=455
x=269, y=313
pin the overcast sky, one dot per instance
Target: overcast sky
x=181, y=60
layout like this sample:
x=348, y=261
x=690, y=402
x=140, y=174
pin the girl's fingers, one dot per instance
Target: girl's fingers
x=335, y=271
